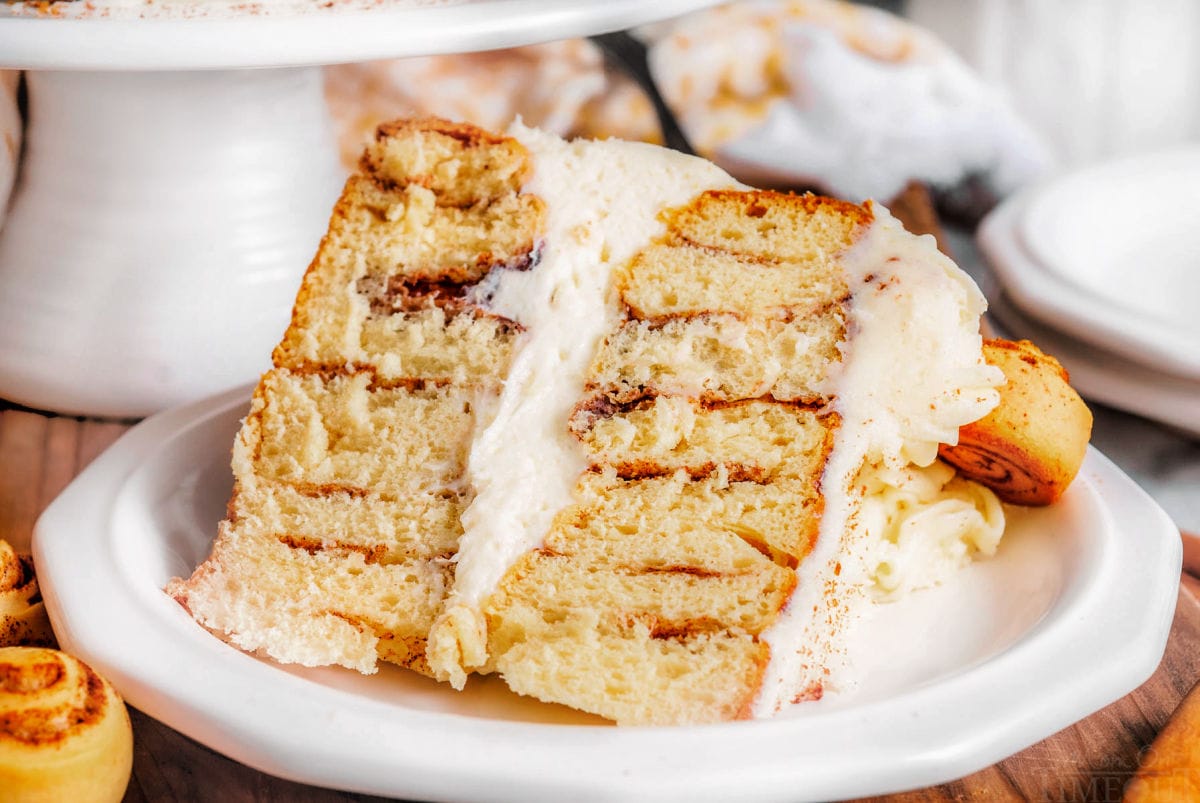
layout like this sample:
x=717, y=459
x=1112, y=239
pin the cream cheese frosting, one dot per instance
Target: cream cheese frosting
x=912, y=373
x=924, y=524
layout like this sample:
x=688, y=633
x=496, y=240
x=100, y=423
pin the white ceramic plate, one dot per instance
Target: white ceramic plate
x=225, y=34
x=1106, y=377
x=1072, y=614
x=1111, y=256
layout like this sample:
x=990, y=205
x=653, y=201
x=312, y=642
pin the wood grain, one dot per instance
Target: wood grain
x=1170, y=768
x=1089, y=762
x=1094, y=759
x=39, y=456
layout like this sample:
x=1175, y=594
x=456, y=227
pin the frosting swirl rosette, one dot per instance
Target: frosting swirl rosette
x=64, y=731
x=23, y=618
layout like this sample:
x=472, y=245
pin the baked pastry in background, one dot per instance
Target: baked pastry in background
x=595, y=417
x=23, y=619
x=562, y=87
x=846, y=98
x=64, y=732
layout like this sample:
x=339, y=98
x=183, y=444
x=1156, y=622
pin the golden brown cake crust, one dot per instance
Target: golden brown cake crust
x=757, y=203
x=469, y=135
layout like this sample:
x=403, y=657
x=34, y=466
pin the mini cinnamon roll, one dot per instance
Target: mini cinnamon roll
x=64, y=731
x=23, y=618
x=1031, y=446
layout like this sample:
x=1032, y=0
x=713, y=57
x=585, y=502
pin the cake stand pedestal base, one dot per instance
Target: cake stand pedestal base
x=158, y=233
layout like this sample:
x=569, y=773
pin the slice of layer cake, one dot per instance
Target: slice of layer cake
x=594, y=417
x=345, y=516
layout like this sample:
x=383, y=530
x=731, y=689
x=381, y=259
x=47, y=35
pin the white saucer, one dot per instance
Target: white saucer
x=1111, y=256
x=1106, y=377
x=1073, y=613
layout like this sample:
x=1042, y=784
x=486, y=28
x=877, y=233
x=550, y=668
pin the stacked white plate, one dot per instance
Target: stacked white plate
x=1101, y=268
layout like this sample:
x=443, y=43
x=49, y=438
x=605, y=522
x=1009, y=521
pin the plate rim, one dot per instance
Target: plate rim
x=320, y=36
x=1107, y=378
x=615, y=766
x=1048, y=291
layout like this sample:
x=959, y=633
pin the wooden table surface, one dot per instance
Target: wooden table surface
x=1089, y=761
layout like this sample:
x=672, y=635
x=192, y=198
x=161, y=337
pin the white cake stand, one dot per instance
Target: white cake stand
x=170, y=197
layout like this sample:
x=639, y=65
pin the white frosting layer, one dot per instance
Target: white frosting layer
x=602, y=201
x=912, y=374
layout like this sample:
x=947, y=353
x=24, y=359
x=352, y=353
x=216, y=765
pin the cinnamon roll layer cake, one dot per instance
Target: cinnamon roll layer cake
x=594, y=417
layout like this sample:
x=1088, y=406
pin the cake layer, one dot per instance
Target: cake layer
x=458, y=349
x=674, y=521
x=614, y=670
x=460, y=164
x=299, y=602
x=665, y=523
x=753, y=439
x=721, y=357
x=395, y=283
x=342, y=433
x=770, y=225
x=419, y=526
x=677, y=599
x=426, y=240
x=681, y=280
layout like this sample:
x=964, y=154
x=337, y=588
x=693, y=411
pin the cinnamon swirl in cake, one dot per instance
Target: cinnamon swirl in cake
x=597, y=418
